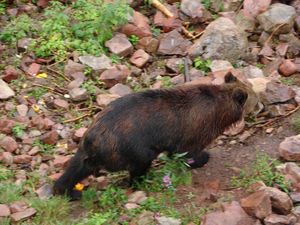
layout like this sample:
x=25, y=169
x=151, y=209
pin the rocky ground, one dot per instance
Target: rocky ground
x=59, y=68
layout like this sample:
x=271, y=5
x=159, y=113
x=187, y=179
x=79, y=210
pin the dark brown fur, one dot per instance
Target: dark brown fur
x=133, y=130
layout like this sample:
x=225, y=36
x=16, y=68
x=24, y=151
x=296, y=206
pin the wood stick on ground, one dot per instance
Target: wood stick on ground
x=77, y=118
x=186, y=70
x=59, y=73
x=157, y=4
x=273, y=33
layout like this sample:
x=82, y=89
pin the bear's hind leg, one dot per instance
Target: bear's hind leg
x=199, y=159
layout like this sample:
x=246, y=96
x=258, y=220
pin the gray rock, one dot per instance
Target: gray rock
x=192, y=8
x=4, y=210
x=276, y=15
x=117, y=74
x=23, y=215
x=219, y=65
x=244, y=23
x=253, y=72
x=119, y=45
x=78, y=94
x=105, y=99
x=73, y=68
x=45, y=191
x=137, y=197
x=139, y=58
x=97, y=63
x=277, y=92
x=5, y=91
x=173, y=43
x=22, y=109
x=168, y=221
x=120, y=89
x=275, y=219
x=222, y=39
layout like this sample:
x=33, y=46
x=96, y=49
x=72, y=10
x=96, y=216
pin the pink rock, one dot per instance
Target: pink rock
x=8, y=143
x=105, y=99
x=23, y=215
x=33, y=69
x=61, y=161
x=289, y=149
x=120, y=89
x=55, y=176
x=22, y=159
x=287, y=68
x=140, y=58
x=7, y=158
x=22, y=109
x=115, y=75
x=18, y=206
x=139, y=26
x=10, y=74
x=73, y=67
x=119, y=45
x=6, y=126
x=254, y=7
x=148, y=44
x=60, y=103
x=4, y=210
x=50, y=137
x=79, y=133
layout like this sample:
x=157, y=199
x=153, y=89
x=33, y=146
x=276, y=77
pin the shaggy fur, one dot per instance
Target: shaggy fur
x=130, y=132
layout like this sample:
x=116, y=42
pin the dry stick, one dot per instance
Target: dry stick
x=187, y=32
x=77, y=118
x=186, y=70
x=157, y=4
x=272, y=34
x=62, y=75
x=277, y=118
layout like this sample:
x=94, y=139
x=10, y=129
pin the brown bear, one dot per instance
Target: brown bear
x=131, y=131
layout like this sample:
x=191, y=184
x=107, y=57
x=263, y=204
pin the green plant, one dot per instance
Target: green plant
x=88, y=198
x=88, y=70
x=18, y=130
x=115, y=59
x=2, y=7
x=52, y=211
x=155, y=31
x=174, y=171
x=37, y=92
x=10, y=192
x=45, y=148
x=296, y=124
x=112, y=197
x=165, y=81
x=99, y=218
x=260, y=66
x=262, y=169
x=206, y=3
x=133, y=39
x=5, y=173
x=203, y=65
x=90, y=86
x=19, y=27
x=287, y=80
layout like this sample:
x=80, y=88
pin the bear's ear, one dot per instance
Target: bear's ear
x=240, y=96
x=229, y=78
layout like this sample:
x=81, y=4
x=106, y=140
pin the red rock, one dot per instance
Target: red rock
x=115, y=75
x=119, y=45
x=287, y=68
x=50, y=137
x=23, y=215
x=139, y=26
x=61, y=161
x=275, y=219
x=18, y=206
x=4, y=210
x=73, y=67
x=257, y=204
x=22, y=159
x=254, y=7
x=10, y=74
x=120, y=89
x=35, y=150
x=33, y=69
x=60, y=103
x=7, y=158
x=8, y=143
x=289, y=148
x=149, y=44
x=6, y=126
x=55, y=176
x=140, y=58
x=48, y=124
x=105, y=99
x=79, y=133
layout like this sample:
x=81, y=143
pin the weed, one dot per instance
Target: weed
x=260, y=66
x=37, y=92
x=296, y=124
x=206, y=3
x=165, y=81
x=2, y=7
x=45, y=148
x=10, y=192
x=5, y=221
x=90, y=86
x=99, y=218
x=155, y=31
x=88, y=198
x=18, y=130
x=19, y=27
x=173, y=172
x=133, y=39
x=262, y=169
x=115, y=59
x=287, y=80
x=52, y=211
x=5, y=173
x=203, y=65
x=181, y=67
x=112, y=197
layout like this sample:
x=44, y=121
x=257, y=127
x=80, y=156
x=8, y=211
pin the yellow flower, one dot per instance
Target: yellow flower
x=42, y=75
x=36, y=108
x=79, y=187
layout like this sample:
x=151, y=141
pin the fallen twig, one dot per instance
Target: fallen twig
x=157, y=4
x=273, y=33
x=59, y=73
x=77, y=118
